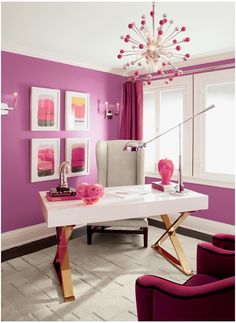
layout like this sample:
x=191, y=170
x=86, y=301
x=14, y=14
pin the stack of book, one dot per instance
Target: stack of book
x=55, y=195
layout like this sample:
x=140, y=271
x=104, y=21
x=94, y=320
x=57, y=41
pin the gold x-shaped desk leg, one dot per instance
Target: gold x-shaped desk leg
x=181, y=261
x=61, y=262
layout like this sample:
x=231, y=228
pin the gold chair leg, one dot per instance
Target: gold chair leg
x=62, y=264
x=181, y=261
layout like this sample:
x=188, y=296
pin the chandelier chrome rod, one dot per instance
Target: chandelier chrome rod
x=169, y=24
x=174, y=44
x=167, y=40
x=141, y=34
x=153, y=20
x=136, y=30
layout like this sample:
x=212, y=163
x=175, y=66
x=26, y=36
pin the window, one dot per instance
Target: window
x=165, y=107
x=214, y=132
x=208, y=141
x=171, y=113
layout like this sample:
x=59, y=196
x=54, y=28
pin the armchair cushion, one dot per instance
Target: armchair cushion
x=200, y=279
x=159, y=299
x=215, y=261
x=207, y=296
x=224, y=241
x=124, y=223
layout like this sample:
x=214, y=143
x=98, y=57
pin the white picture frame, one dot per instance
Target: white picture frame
x=78, y=155
x=44, y=109
x=45, y=159
x=77, y=111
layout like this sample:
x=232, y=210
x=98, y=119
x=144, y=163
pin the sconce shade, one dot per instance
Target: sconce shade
x=5, y=106
x=109, y=109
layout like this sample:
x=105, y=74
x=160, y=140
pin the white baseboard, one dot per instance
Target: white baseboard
x=203, y=225
x=36, y=232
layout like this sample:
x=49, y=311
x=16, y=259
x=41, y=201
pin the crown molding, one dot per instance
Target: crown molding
x=207, y=58
x=44, y=55
x=195, y=60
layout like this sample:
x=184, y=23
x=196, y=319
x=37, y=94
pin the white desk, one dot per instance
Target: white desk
x=117, y=204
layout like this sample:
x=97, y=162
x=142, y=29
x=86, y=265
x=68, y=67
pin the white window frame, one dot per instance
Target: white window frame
x=152, y=90
x=201, y=81
x=184, y=83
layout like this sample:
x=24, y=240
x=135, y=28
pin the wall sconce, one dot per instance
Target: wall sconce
x=5, y=107
x=109, y=109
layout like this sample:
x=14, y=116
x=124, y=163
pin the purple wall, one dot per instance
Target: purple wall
x=221, y=202
x=20, y=202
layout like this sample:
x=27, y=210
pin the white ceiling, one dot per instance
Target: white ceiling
x=88, y=33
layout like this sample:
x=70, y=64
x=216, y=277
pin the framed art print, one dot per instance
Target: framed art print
x=77, y=154
x=45, y=109
x=45, y=159
x=77, y=111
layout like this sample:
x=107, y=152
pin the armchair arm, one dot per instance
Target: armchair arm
x=215, y=261
x=224, y=240
x=159, y=299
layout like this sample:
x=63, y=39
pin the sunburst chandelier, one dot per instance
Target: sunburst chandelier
x=154, y=49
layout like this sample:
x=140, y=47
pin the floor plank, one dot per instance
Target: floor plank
x=103, y=274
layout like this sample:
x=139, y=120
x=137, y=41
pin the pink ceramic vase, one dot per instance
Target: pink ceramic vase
x=166, y=169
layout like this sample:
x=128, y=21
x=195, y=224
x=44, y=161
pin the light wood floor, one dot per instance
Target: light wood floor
x=104, y=276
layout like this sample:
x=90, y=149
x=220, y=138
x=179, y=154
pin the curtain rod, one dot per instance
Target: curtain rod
x=192, y=71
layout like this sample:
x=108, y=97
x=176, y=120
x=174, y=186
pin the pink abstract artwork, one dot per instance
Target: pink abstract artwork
x=78, y=108
x=46, y=114
x=45, y=165
x=78, y=158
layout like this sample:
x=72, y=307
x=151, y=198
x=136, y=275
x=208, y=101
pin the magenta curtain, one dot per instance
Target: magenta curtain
x=132, y=114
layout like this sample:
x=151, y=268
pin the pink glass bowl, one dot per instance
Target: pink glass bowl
x=91, y=200
x=90, y=193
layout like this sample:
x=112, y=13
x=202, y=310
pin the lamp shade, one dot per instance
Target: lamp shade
x=134, y=146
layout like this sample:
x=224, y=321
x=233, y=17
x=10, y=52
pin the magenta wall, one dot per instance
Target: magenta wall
x=221, y=202
x=20, y=202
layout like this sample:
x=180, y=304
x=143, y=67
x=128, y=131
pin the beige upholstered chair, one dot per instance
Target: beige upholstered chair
x=118, y=168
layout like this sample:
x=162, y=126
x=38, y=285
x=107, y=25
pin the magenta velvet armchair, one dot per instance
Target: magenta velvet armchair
x=209, y=295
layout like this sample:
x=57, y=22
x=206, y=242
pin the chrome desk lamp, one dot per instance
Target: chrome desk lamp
x=137, y=145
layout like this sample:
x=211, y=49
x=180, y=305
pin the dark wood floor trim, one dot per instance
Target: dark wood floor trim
x=51, y=241
x=37, y=245
x=184, y=231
